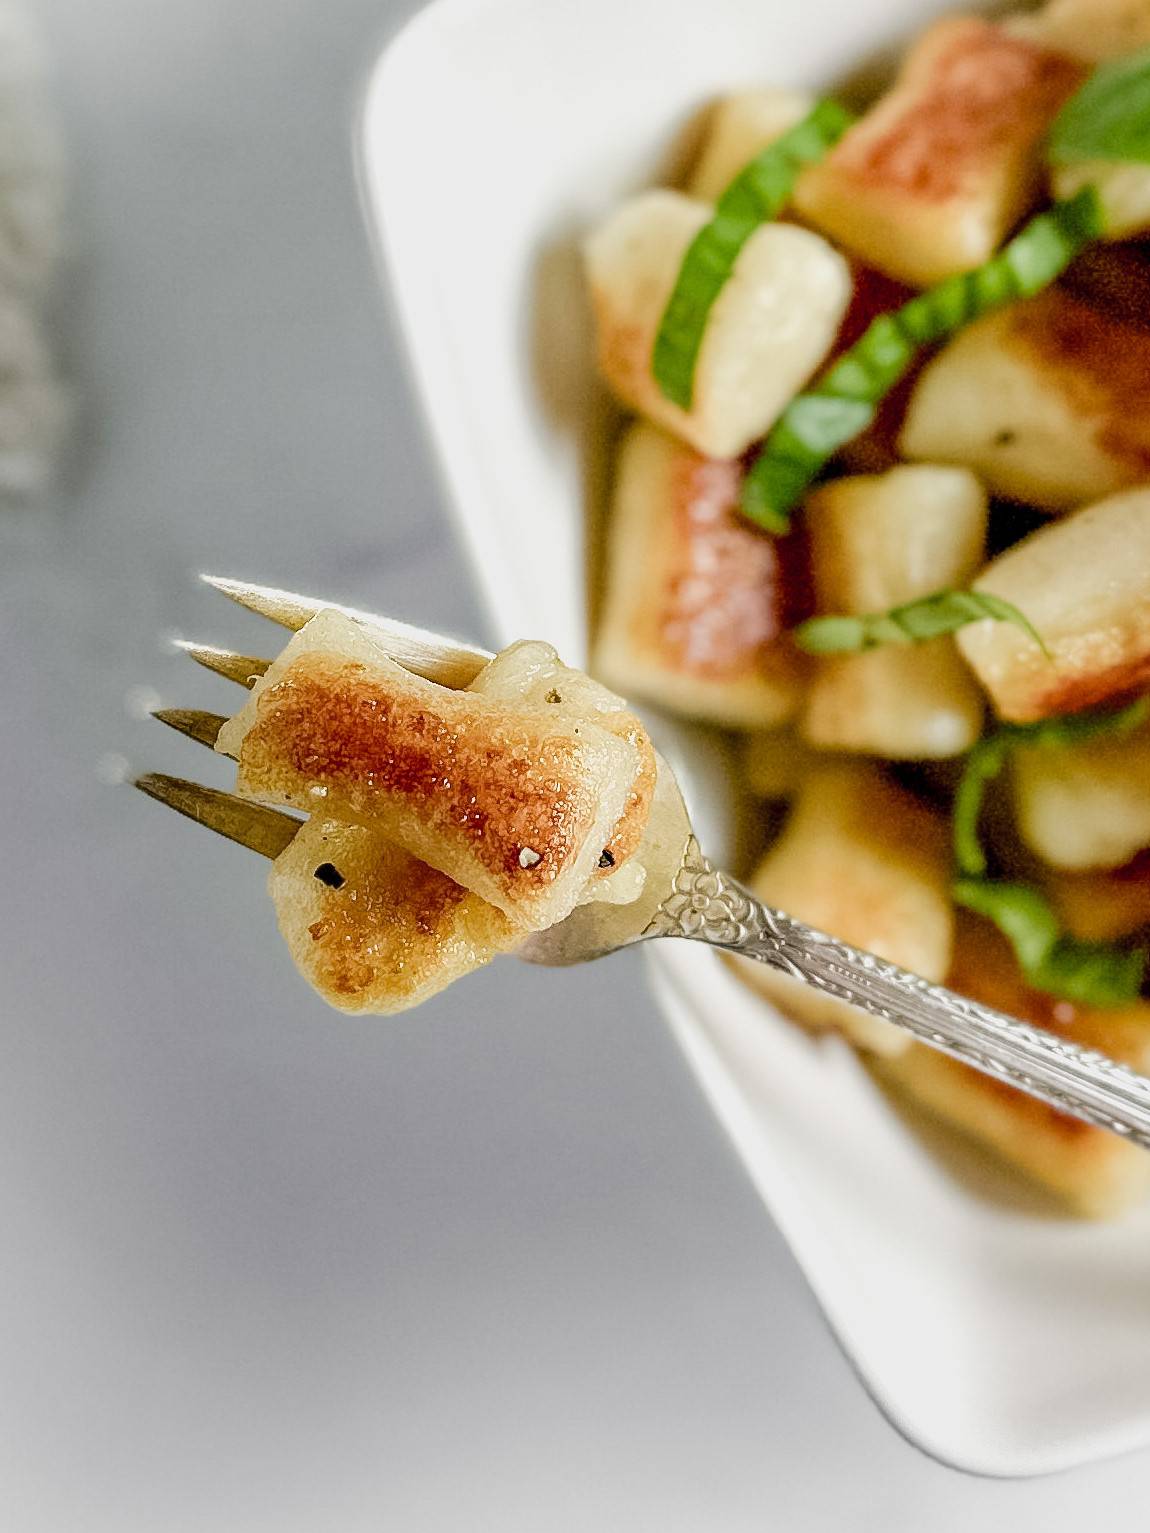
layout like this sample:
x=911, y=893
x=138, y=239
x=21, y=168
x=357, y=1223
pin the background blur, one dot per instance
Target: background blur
x=487, y=1266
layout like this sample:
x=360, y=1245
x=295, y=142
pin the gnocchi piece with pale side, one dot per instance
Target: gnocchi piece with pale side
x=741, y=126
x=696, y=600
x=877, y=541
x=1085, y=806
x=769, y=330
x=862, y=859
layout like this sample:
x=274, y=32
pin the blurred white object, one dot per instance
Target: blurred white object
x=33, y=404
x=997, y=1335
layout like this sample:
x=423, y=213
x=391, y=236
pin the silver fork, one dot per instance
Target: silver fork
x=685, y=897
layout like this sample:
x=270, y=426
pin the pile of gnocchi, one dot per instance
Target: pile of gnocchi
x=883, y=508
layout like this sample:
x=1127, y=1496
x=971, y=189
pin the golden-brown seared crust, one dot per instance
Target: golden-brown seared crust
x=372, y=928
x=530, y=673
x=1044, y=399
x=1096, y=682
x=624, y=840
x=697, y=600
x=983, y=92
x=512, y=800
x=1100, y=365
x=1097, y=1172
x=934, y=176
x=722, y=602
x=522, y=800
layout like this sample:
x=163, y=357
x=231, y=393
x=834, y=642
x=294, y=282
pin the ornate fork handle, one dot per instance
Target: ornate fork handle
x=708, y=906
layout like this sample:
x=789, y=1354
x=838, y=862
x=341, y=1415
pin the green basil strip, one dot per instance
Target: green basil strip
x=816, y=424
x=912, y=623
x=983, y=764
x=1078, y=728
x=1091, y=973
x=987, y=759
x=1109, y=117
x=757, y=195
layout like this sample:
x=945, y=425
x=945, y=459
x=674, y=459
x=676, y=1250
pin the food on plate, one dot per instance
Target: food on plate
x=942, y=167
x=849, y=399
x=774, y=763
x=1105, y=905
x=447, y=825
x=1123, y=190
x=1094, y=31
x=1045, y=400
x=877, y=541
x=770, y=328
x=758, y=195
x=696, y=600
x=1095, y=1172
x=1086, y=806
x=741, y=126
x=864, y=860
x=1084, y=583
x=908, y=554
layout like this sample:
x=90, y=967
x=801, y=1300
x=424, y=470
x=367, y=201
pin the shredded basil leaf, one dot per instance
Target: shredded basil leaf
x=816, y=424
x=983, y=764
x=1109, y=117
x=1077, y=728
x=1091, y=973
x=757, y=195
x=913, y=622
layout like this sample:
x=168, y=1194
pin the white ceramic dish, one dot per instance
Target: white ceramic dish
x=996, y=1335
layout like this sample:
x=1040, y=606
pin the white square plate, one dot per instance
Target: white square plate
x=997, y=1335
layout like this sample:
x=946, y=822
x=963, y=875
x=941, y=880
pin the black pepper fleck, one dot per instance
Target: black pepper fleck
x=329, y=874
x=606, y=859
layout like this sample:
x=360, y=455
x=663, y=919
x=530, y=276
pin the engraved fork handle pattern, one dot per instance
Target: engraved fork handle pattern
x=709, y=906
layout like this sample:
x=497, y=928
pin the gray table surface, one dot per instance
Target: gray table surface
x=491, y=1265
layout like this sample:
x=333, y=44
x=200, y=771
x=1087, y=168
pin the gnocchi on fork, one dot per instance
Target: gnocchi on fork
x=388, y=890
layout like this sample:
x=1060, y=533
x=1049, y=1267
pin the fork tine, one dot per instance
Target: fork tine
x=261, y=830
x=225, y=662
x=419, y=650
x=193, y=722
